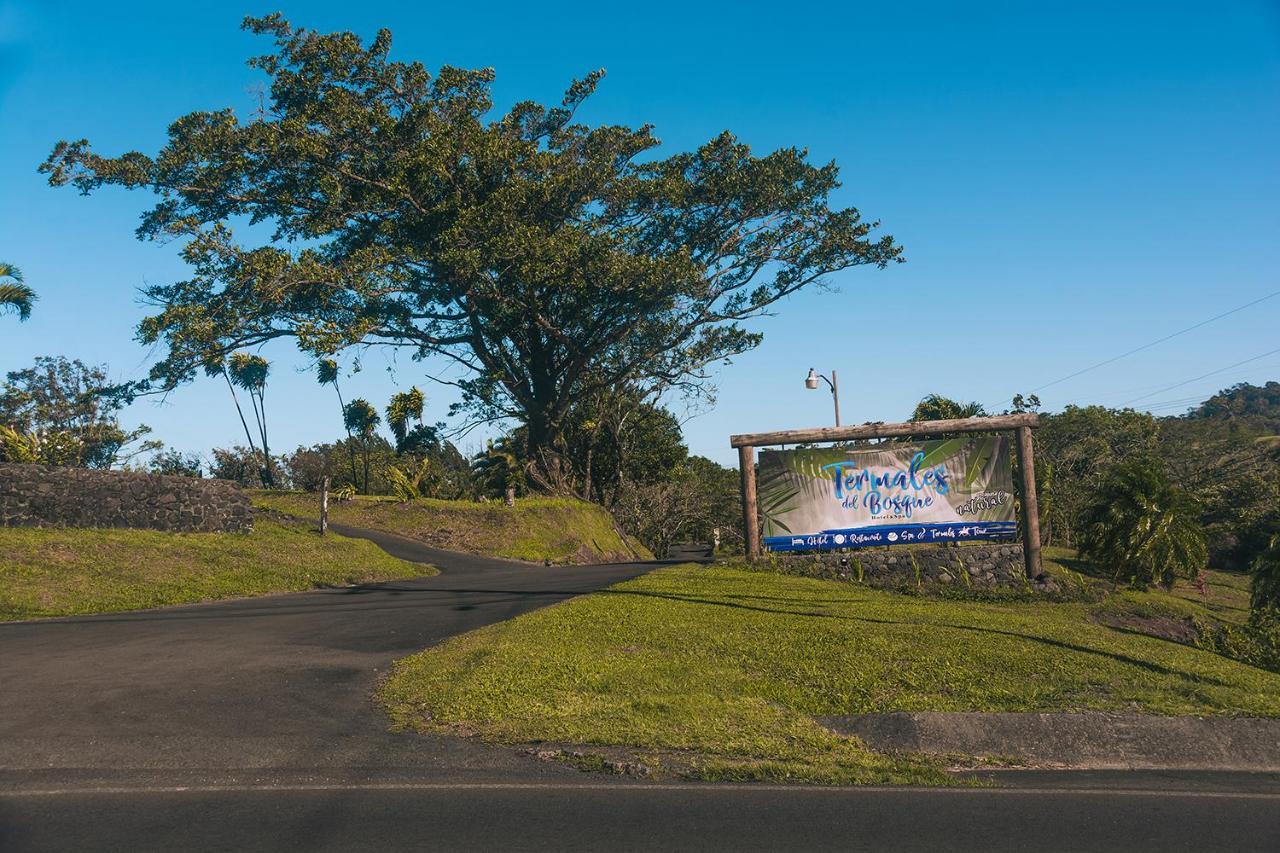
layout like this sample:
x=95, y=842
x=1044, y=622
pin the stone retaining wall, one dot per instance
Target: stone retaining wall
x=969, y=566
x=55, y=496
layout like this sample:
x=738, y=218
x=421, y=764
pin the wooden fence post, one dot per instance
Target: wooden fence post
x=1030, y=504
x=750, y=518
x=324, y=507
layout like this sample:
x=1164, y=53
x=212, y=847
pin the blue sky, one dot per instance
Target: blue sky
x=1069, y=180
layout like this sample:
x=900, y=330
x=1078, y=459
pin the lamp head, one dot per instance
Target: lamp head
x=811, y=381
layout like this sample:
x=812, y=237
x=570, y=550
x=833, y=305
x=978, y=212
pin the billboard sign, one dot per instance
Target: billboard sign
x=947, y=490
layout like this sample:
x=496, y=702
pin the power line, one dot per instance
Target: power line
x=1201, y=376
x=1151, y=344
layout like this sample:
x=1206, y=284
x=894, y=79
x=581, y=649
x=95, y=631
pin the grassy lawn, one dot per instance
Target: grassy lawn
x=725, y=666
x=65, y=571
x=1227, y=599
x=561, y=530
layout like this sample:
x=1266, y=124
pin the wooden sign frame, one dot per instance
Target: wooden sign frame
x=1021, y=424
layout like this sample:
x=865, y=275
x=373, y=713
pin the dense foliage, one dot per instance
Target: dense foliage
x=1265, y=585
x=696, y=501
x=1256, y=642
x=1227, y=455
x=63, y=412
x=1142, y=529
x=1080, y=445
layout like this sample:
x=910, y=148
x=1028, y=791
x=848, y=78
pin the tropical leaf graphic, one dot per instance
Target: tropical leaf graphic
x=978, y=460
x=942, y=452
x=777, y=490
x=810, y=462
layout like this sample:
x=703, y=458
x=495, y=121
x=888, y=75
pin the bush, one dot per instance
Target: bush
x=1257, y=642
x=409, y=483
x=1142, y=528
x=1265, y=586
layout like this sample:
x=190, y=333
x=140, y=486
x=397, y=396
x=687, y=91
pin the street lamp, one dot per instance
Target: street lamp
x=811, y=382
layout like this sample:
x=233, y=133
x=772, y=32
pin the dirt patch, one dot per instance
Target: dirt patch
x=1175, y=629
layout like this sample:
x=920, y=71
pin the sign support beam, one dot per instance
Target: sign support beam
x=1030, y=504
x=750, y=510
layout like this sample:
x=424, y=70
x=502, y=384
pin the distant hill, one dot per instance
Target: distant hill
x=1256, y=406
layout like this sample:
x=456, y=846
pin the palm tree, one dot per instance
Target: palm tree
x=499, y=470
x=1265, y=587
x=1143, y=528
x=936, y=407
x=327, y=374
x=219, y=368
x=405, y=406
x=362, y=419
x=13, y=293
x=249, y=372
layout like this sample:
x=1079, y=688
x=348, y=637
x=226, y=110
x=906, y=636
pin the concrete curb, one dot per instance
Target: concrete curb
x=1093, y=741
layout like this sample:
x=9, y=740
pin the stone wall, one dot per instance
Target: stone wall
x=987, y=566
x=54, y=496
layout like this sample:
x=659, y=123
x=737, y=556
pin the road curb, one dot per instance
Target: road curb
x=1093, y=741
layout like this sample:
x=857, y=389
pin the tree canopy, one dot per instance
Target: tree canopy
x=546, y=258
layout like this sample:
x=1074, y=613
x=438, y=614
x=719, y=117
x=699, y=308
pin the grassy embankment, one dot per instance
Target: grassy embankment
x=66, y=571
x=717, y=672
x=559, y=530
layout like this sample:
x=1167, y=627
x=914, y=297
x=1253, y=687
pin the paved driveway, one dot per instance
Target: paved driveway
x=272, y=688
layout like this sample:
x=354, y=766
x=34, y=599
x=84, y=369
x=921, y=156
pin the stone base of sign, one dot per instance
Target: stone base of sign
x=981, y=567
x=52, y=496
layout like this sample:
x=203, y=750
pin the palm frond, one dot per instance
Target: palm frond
x=17, y=296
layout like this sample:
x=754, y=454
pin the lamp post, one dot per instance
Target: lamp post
x=811, y=382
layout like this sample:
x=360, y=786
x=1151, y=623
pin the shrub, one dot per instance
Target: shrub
x=1257, y=642
x=1142, y=528
x=407, y=483
x=1265, y=586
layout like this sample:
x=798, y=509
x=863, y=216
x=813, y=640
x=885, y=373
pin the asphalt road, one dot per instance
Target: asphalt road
x=247, y=725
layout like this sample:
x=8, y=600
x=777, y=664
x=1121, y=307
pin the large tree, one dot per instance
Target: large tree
x=547, y=258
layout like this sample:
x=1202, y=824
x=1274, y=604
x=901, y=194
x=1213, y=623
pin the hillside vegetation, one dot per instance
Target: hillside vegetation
x=558, y=530
x=71, y=571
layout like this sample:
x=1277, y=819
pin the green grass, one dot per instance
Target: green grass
x=559, y=530
x=1226, y=597
x=66, y=571
x=729, y=666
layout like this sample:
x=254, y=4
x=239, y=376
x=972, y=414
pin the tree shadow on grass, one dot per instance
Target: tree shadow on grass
x=1150, y=666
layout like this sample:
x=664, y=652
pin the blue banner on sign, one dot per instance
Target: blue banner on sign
x=910, y=534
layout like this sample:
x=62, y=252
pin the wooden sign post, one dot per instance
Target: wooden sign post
x=1023, y=424
x=324, y=507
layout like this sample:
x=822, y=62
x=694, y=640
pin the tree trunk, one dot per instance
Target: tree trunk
x=260, y=412
x=365, y=443
x=244, y=423
x=546, y=466
x=351, y=447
